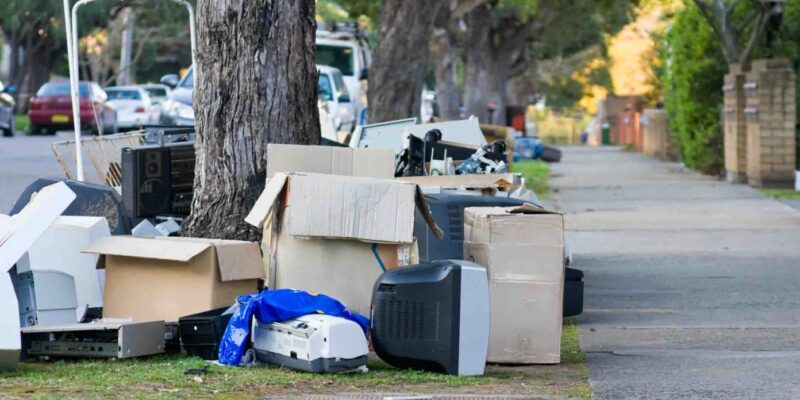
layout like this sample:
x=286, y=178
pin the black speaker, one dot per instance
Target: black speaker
x=146, y=181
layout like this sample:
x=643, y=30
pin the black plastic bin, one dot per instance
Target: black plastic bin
x=201, y=333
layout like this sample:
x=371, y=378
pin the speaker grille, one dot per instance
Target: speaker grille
x=455, y=216
x=407, y=320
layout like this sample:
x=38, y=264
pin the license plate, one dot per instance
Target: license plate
x=60, y=118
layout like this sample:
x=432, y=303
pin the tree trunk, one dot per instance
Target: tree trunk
x=397, y=74
x=486, y=69
x=447, y=94
x=256, y=83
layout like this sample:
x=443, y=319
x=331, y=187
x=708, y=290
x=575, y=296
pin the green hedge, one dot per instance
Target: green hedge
x=693, y=77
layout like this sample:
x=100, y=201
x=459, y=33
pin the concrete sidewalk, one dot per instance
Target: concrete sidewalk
x=692, y=284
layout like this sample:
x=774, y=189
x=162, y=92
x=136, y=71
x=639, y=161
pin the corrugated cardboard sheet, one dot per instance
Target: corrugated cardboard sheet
x=367, y=162
x=343, y=269
x=473, y=181
x=343, y=207
x=522, y=249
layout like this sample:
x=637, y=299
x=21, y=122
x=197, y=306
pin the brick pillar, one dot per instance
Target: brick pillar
x=656, y=136
x=735, y=125
x=771, y=118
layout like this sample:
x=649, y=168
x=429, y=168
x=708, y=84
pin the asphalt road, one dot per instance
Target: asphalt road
x=691, y=283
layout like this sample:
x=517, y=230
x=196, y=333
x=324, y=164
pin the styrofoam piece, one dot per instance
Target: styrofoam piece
x=168, y=227
x=59, y=249
x=145, y=228
x=17, y=234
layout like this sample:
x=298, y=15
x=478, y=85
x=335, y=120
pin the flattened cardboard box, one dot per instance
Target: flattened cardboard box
x=165, y=278
x=367, y=162
x=343, y=269
x=522, y=249
x=344, y=207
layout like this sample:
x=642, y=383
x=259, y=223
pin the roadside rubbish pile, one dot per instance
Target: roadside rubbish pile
x=414, y=241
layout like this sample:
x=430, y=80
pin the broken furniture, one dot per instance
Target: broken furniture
x=313, y=343
x=336, y=234
x=101, y=339
x=522, y=249
x=45, y=297
x=433, y=316
x=17, y=234
x=201, y=333
x=165, y=278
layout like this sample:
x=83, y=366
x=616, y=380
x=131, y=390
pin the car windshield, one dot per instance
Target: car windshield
x=156, y=92
x=340, y=57
x=116, y=94
x=188, y=80
x=325, y=89
x=61, y=89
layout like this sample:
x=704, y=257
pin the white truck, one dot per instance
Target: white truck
x=350, y=54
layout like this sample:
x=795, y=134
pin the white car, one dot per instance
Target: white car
x=133, y=104
x=334, y=92
x=351, y=56
x=158, y=92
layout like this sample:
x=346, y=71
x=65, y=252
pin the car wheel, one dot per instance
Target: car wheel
x=94, y=129
x=35, y=129
x=11, y=128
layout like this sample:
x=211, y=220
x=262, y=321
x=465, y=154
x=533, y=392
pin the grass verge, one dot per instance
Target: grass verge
x=536, y=174
x=782, y=194
x=22, y=122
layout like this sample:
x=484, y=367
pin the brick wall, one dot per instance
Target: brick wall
x=735, y=125
x=770, y=118
x=656, y=138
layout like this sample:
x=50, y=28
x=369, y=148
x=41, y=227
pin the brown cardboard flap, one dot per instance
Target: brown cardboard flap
x=267, y=200
x=140, y=247
x=238, y=260
x=366, y=162
x=425, y=210
x=528, y=208
x=473, y=181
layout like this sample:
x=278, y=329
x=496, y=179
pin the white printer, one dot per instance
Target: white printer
x=314, y=343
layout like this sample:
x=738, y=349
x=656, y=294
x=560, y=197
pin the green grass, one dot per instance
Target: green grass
x=571, y=354
x=536, y=174
x=782, y=194
x=162, y=376
x=22, y=122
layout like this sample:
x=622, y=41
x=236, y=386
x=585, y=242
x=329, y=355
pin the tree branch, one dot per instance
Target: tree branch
x=761, y=23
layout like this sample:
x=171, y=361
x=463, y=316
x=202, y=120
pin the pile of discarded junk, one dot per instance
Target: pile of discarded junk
x=415, y=241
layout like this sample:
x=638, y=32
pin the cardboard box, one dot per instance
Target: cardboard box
x=344, y=207
x=165, y=278
x=59, y=249
x=18, y=233
x=343, y=269
x=367, y=162
x=522, y=249
x=496, y=182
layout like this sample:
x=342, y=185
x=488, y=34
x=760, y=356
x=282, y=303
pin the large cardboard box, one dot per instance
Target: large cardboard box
x=343, y=207
x=522, y=249
x=367, y=162
x=165, y=278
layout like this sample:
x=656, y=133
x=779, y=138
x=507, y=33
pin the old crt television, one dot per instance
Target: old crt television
x=432, y=317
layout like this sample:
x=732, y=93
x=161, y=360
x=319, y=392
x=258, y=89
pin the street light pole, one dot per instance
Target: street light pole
x=192, y=35
x=72, y=51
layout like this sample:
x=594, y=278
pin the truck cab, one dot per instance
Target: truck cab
x=350, y=55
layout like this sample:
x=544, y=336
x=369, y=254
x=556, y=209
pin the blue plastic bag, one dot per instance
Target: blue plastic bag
x=274, y=306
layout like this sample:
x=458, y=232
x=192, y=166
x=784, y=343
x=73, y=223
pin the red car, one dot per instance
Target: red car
x=51, y=109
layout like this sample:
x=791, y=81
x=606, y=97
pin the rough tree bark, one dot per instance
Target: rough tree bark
x=400, y=59
x=444, y=66
x=256, y=83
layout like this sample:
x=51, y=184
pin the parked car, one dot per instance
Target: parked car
x=177, y=109
x=7, y=121
x=350, y=54
x=133, y=104
x=334, y=91
x=158, y=92
x=51, y=109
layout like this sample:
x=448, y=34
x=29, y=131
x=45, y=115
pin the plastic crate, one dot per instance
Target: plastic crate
x=201, y=333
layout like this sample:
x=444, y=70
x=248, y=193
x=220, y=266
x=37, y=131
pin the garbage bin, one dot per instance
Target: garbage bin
x=606, y=135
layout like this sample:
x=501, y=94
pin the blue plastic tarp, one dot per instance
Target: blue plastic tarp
x=275, y=306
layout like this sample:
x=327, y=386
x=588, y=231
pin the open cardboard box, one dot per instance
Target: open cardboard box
x=165, y=278
x=336, y=234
